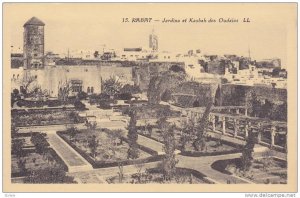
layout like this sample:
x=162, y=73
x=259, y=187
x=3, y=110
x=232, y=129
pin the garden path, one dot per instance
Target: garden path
x=203, y=165
x=72, y=159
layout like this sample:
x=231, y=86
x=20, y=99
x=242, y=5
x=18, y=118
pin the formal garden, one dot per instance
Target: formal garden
x=100, y=144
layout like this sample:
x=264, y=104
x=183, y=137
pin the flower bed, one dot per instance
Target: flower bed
x=46, y=117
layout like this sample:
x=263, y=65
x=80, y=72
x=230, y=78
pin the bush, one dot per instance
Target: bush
x=79, y=105
x=82, y=95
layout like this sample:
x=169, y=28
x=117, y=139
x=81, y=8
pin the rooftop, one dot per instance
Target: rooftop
x=34, y=21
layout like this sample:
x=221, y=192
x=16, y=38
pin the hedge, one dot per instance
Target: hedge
x=103, y=164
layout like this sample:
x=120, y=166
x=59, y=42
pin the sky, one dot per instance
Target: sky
x=90, y=26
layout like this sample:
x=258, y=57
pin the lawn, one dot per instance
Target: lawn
x=110, y=148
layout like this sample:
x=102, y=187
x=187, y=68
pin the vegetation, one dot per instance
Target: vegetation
x=64, y=91
x=133, y=151
x=169, y=162
x=161, y=83
x=50, y=175
x=200, y=142
x=111, y=86
x=247, y=157
x=39, y=141
x=17, y=147
x=93, y=144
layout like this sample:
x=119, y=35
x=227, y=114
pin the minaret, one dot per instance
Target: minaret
x=34, y=44
x=153, y=41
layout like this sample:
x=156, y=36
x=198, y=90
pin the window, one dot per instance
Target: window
x=92, y=89
x=35, y=55
x=35, y=76
x=13, y=76
x=88, y=90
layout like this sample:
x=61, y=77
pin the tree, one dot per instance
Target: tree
x=252, y=103
x=266, y=109
x=132, y=89
x=246, y=157
x=177, y=68
x=72, y=132
x=64, y=89
x=111, y=86
x=17, y=147
x=39, y=141
x=49, y=175
x=93, y=144
x=15, y=96
x=169, y=162
x=185, y=138
x=27, y=83
x=133, y=151
x=200, y=142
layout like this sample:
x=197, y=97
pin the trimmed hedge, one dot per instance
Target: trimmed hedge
x=201, y=154
x=103, y=164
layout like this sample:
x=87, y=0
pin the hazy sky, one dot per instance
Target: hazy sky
x=84, y=26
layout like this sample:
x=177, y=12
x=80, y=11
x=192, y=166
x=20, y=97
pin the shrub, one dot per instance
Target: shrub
x=79, y=105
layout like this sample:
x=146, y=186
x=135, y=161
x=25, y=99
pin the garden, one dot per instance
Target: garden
x=185, y=142
x=104, y=147
x=23, y=118
x=263, y=170
x=31, y=152
x=156, y=176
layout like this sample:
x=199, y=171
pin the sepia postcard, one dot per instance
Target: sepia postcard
x=150, y=97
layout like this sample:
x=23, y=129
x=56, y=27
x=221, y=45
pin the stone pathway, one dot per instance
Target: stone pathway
x=100, y=175
x=203, y=165
x=72, y=159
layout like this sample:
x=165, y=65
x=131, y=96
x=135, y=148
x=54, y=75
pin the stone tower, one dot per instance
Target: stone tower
x=34, y=44
x=153, y=41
